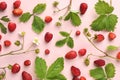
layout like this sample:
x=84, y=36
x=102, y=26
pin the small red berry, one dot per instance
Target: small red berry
x=71, y=54
x=111, y=36
x=82, y=78
x=7, y=43
x=83, y=8
x=17, y=4
x=75, y=78
x=0, y=37
x=99, y=62
x=48, y=37
x=17, y=12
x=118, y=55
x=82, y=52
x=3, y=6
x=48, y=19
x=15, y=68
x=26, y=76
x=75, y=71
x=27, y=62
x=11, y=26
x=0, y=47
x=77, y=33
x=99, y=37
x=47, y=51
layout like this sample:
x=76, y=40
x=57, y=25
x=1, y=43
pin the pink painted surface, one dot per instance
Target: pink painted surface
x=80, y=42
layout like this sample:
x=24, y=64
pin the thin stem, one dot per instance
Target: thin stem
x=111, y=2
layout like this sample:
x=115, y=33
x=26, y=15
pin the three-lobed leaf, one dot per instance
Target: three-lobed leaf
x=110, y=70
x=103, y=8
x=3, y=28
x=55, y=68
x=61, y=43
x=111, y=48
x=25, y=17
x=64, y=34
x=70, y=42
x=39, y=8
x=38, y=24
x=40, y=68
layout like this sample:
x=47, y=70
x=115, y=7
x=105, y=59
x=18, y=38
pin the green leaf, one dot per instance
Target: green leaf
x=102, y=79
x=38, y=24
x=40, y=68
x=3, y=28
x=103, y=8
x=68, y=16
x=64, y=34
x=61, y=43
x=58, y=77
x=70, y=42
x=25, y=17
x=104, y=22
x=111, y=48
x=5, y=19
x=55, y=68
x=75, y=19
x=39, y=8
x=97, y=73
x=110, y=70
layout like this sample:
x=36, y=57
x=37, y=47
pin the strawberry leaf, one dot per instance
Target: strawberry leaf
x=103, y=8
x=38, y=24
x=25, y=17
x=39, y=8
x=111, y=48
x=110, y=70
x=58, y=77
x=3, y=28
x=55, y=69
x=70, y=42
x=64, y=34
x=102, y=78
x=40, y=68
x=61, y=43
x=5, y=19
x=68, y=16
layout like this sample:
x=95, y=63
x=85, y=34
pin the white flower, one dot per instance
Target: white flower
x=36, y=41
x=22, y=34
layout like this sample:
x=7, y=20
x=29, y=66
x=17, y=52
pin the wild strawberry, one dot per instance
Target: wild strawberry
x=75, y=78
x=11, y=26
x=83, y=8
x=111, y=36
x=17, y=12
x=15, y=68
x=0, y=47
x=82, y=78
x=99, y=62
x=7, y=43
x=27, y=62
x=17, y=4
x=99, y=37
x=48, y=36
x=0, y=37
x=3, y=5
x=71, y=54
x=47, y=51
x=82, y=52
x=26, y=76
x=75, y=71
x=118, y=55
x=48, y=19
x=77, y=33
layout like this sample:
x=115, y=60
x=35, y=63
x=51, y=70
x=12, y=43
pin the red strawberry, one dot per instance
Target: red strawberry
x=17, y=4
x=48, y=36
x=47, y=51
x=48, y=19
x=77, y=33
x=27, y=62
x=118, y=55
x=99, y=62
x=99, y=37
x=111, y=36
x=3, y=6
x=7, y=43
x=17, y=12
x=11, y=26
x=75, y=71
x=0, y=37
x=82, y=78
x=15, y=68
x=83, y=8
x=82, y=52
x=26, y=76
x=75, y=78
x=71, y=54
x=0, y=47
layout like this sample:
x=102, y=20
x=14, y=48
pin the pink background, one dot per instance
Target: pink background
x=80, y=42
